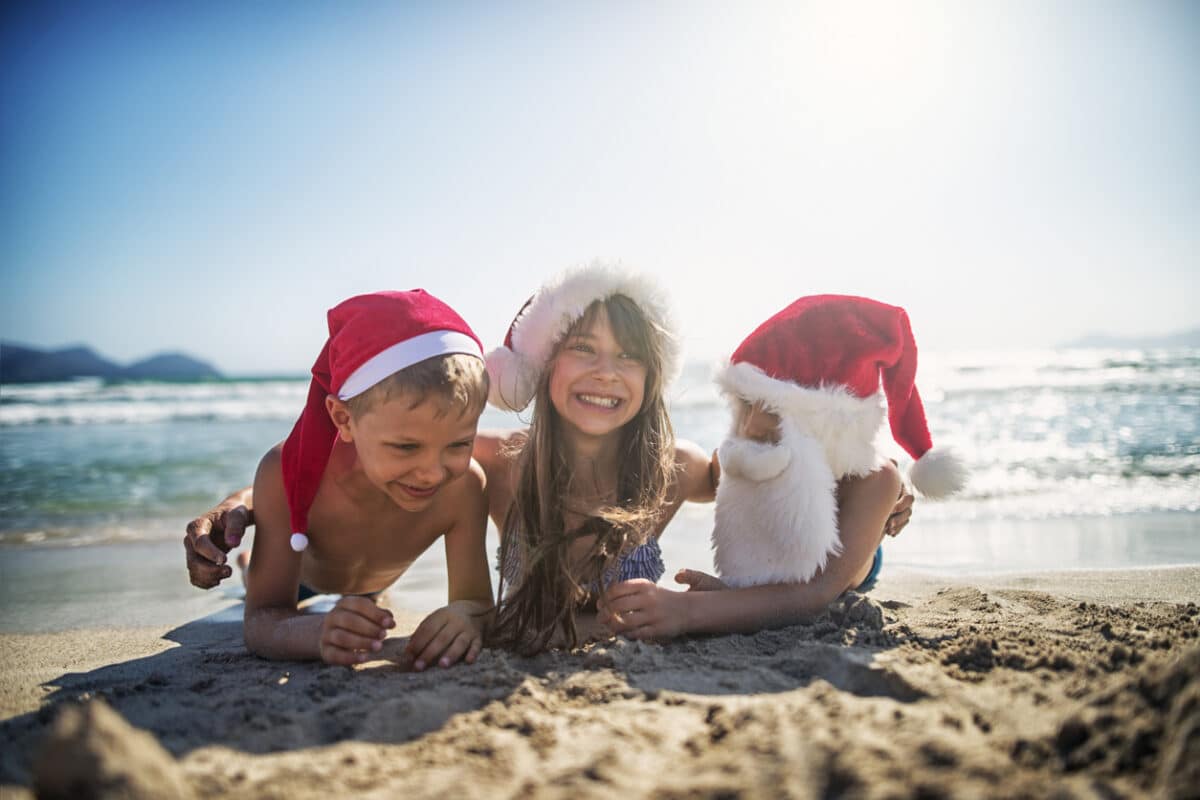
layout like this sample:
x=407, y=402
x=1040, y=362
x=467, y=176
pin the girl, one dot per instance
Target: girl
x=581, y=497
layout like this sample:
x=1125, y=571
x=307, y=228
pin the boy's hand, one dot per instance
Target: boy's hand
x=213, y=534
x=640, y=609
x=354, y=628
x=447, y=635
x=698, y=581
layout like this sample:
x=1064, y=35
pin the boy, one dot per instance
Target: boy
x=803, y=497
x=376, y=469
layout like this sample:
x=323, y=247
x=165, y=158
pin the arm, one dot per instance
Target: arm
x=641, y=609
x=493, y=451
x=272, y=626
x=455, y=632
x=698, y=472
x=213, y=534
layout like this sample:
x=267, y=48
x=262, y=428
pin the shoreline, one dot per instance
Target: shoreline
x=1066, y=683
x=145, y=583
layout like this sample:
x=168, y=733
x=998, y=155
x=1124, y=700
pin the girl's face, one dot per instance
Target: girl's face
x=757, y=424
x=596, y=386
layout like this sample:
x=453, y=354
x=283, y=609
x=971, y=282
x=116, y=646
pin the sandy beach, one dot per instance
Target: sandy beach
x=1072, y=684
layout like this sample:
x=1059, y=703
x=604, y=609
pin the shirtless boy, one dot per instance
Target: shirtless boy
x=377, y=468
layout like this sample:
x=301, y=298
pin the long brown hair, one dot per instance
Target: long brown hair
x=535, y=543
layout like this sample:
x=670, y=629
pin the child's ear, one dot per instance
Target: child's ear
x=339, y=412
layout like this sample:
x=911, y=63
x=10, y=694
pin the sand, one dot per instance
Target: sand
x=1079, y=684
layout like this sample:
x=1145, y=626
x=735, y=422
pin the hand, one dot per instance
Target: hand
x=210, y=536
x=698, y=581
x=640, y=609
x=901, y=512
x=354, y=628
x=447, y=636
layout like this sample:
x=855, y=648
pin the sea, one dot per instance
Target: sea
x=1079, y=459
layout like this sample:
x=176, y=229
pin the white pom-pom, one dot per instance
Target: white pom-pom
x=938, y=473
x=512, y=385
x=299, y=541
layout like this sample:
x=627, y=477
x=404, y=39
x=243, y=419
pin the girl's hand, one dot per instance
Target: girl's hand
x=640, y=609
x=447, y=636
x=353, y=629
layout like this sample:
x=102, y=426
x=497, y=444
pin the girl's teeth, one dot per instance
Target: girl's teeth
x=607, y=402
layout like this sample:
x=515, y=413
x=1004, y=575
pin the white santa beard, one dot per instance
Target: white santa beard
x=779, y=530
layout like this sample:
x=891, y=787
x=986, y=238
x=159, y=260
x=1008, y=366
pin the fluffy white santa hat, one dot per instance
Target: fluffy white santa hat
x=820, y=363
x=516, y=366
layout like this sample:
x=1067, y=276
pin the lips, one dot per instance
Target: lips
x=418, y=492
x=602, y=402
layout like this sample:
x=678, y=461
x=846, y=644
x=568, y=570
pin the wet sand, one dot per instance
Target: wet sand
x=1074, y=684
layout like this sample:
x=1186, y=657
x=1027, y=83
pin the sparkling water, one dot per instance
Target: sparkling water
x=1048, y=435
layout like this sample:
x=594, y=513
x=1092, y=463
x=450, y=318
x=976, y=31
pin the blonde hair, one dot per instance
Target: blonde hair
x=543, y=601
x=458, y=382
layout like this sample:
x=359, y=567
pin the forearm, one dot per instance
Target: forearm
x=283, y=634
x=756, y=607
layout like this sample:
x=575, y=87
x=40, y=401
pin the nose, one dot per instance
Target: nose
x=431, y=471
x=606, y=366
x=759, y=426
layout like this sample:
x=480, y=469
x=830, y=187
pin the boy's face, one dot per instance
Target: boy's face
x=757, y=424
x=595, y=385
x=410, y=453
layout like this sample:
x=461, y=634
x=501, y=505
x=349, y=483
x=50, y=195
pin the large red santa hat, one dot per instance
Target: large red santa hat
x=371, y=336
x=516, y=366
x=820, y=362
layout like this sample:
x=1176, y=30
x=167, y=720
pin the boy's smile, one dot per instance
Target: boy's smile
x=596, y=385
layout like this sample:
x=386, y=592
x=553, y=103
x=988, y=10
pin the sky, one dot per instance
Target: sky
x=210, y=177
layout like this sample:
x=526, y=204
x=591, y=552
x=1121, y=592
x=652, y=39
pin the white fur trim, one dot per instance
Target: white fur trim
x=844, y=424
x=755, y=461
x=405, y=354
x=512, y=380
x=781, y=530
x=564, y=298
x=938, y=473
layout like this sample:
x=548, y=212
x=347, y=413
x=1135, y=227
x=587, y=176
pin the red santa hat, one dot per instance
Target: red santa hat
x=516, y=366
x=371, y=336
x=820, y=363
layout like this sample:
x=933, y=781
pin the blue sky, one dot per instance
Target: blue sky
x=210, y=177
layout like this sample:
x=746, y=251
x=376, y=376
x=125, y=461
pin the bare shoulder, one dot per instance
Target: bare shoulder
x=693, y=470
x=270, y=470
x=882, y=485
x=494, y=445
x=467, y=490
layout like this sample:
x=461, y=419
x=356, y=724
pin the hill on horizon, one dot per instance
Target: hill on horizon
x=23, y=364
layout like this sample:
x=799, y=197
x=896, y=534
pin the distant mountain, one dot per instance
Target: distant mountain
x=1183, y=339
x=21, y=364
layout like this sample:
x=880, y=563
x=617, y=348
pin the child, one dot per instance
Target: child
x=581, y=497
x=801, y=461
x=376, y=469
